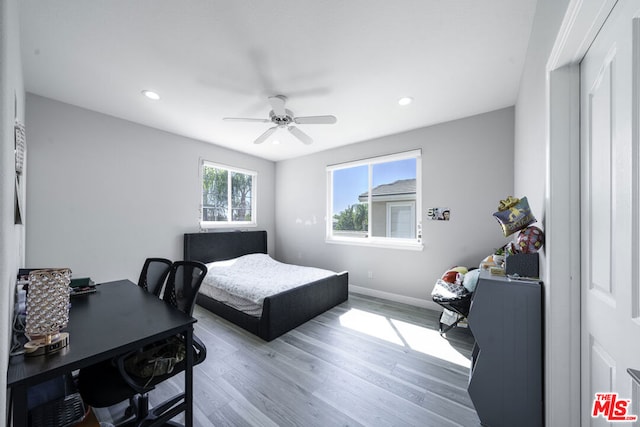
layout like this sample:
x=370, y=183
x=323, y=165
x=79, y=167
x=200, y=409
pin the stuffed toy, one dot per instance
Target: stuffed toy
x=450, y=284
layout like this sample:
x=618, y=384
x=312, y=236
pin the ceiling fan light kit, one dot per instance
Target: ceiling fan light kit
x=285, y=119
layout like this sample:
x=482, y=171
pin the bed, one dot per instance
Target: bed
x=281, y=312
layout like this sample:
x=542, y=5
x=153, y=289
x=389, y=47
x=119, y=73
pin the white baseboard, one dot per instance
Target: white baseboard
x=395, y=297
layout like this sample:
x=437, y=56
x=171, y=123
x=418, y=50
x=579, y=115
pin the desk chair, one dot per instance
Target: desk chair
x=108, y=383
x=153, y=274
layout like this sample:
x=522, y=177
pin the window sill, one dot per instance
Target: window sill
x=215, y=225
x=408, y=246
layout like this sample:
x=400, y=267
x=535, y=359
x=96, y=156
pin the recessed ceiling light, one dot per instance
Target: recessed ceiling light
x=276, y=142
x=405, y=101
x=151, y=94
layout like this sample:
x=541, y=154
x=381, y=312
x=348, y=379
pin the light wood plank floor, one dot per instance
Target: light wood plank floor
x=366, y=362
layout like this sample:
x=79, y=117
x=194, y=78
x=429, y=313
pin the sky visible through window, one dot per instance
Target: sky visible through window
x=349, y=183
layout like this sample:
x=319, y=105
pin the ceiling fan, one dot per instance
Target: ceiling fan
x=283, y=118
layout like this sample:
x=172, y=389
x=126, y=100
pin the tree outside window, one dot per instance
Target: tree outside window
x=227, y=195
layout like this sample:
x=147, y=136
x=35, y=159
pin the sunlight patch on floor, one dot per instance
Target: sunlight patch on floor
x=405, y=334
x=370, y=324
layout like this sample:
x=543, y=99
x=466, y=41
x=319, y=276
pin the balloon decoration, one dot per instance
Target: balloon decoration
x=529, y=240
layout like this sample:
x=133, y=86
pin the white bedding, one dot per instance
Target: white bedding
x=245, y=282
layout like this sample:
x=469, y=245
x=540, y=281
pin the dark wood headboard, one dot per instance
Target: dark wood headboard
x=219, y=246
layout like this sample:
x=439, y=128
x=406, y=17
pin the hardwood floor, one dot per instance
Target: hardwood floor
x=366, y=362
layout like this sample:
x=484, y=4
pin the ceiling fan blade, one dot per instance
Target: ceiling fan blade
x=277, y=104
x=242, y=119
x=262, y=138
x=306, y=139
x=321, y=120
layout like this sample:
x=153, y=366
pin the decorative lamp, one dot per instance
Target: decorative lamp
x=47, y=311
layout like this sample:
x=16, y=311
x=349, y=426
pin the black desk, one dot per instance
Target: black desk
x=118, y=318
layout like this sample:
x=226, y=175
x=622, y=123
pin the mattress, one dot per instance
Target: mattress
x=243, y=283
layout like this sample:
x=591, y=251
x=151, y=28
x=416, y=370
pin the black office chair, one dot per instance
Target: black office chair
x=154, y=273
x=109, y=383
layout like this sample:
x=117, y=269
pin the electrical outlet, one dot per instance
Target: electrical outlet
x=370, y=274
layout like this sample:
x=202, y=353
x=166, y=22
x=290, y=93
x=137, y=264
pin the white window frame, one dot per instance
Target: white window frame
x=254, y=193
x=377, y=241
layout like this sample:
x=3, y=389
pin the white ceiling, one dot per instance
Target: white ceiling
x=210, y=59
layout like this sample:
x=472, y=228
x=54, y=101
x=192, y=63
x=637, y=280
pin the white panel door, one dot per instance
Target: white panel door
x=610, y=331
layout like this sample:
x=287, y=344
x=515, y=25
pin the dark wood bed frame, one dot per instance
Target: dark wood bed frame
x=281, y=312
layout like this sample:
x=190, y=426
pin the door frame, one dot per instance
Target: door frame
x=581, y=23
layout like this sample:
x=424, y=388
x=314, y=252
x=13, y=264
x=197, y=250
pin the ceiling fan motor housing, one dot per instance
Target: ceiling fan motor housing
x=284, y=120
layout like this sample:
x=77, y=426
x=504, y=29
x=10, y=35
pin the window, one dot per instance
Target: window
x=376, y=201
x=228, y=196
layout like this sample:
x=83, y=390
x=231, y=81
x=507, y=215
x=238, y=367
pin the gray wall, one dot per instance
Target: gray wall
x=11, y=236
x=531, y=108
x=104, y=193
x=467, y=165
x=530, y=164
